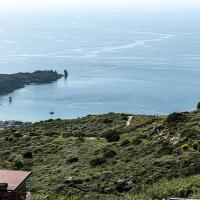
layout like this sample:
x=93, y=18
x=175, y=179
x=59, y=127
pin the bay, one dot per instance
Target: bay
x=135, y=62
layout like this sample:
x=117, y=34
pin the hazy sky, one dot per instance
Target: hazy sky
x=81, y=4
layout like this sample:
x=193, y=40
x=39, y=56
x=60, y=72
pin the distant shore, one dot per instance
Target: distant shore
x=12, y=82
x=7, y=124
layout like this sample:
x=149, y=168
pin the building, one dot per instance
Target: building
x=7, y=124
x=13, y=185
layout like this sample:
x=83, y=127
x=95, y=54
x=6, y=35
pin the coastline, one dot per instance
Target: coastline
x=11, y=82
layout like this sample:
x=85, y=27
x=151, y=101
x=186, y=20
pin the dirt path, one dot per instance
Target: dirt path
x=129, y=120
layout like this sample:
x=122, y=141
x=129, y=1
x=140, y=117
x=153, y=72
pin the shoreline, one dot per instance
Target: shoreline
x=12, y=82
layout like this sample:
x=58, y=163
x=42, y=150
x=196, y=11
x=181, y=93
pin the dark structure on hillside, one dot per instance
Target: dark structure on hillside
x=13, y=185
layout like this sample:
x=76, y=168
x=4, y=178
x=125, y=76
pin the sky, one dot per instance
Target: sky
x=18, y=5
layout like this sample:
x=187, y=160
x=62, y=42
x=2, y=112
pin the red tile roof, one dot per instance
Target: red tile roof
x=13, y=178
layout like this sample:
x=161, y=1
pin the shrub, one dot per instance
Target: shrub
x=198, y=105
x=107, y=121
x=125, y=142
x=9, y=137
x=112, y=135
x=51, y=133
x=17, y=134
x=165, y=149
x=109, y=154
x=28, y=154
x=80, y=137
x=72, y=159
x=175, y=118
x=195, y=145
x=12, y=157
x=136, y=141
x=125, y=118
x=185, y=147
x=190, y=133
x=97, y=161
x=18, y=162
x=34, y=133
x=50, y=120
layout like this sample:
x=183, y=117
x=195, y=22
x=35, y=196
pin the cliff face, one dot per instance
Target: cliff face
x=11, y=82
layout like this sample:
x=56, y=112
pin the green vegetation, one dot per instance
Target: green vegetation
x=99, y=157
x=198, y=105
x=125, y=142
x=109, y=154
x=195, y=145
x=97, y=161
x=11, y=82
x=185, y=147
x=112, y=135
x=179, y=187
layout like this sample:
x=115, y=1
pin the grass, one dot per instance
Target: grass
x=146, y=163
x=179, y=187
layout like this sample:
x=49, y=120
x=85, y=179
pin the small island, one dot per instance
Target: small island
x=11, y=82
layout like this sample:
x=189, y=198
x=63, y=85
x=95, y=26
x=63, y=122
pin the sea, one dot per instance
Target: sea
x=138, y=62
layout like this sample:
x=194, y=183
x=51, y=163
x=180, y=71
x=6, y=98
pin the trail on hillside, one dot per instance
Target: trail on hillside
x=129, y=120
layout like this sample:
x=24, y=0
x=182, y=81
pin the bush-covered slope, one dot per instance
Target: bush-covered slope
x=149, y=159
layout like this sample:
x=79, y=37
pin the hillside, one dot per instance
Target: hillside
x=11, y=82
x=152, y=158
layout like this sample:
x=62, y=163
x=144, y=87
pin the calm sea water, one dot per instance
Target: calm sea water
x=133, y=62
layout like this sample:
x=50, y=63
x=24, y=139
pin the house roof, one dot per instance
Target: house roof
x=13, y=178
